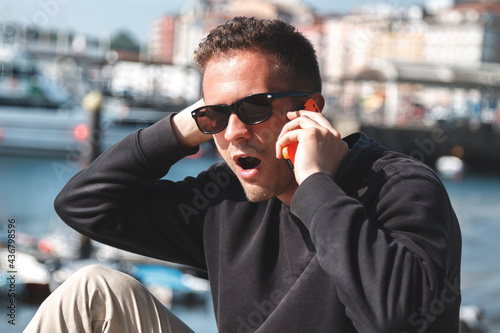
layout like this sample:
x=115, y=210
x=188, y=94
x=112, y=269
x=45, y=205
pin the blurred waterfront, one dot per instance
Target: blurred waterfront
x=28, y=186
x=421, y=82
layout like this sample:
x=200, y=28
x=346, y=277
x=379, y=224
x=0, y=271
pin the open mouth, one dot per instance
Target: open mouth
x=247, y=162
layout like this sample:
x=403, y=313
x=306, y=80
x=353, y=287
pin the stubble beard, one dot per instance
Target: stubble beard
x=266, y=192
x=257, y=195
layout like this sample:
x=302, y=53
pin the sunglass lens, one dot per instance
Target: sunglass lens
x=255, y=109
x=212, y=119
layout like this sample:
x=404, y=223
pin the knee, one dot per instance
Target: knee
x=109, y=285
x=86, y=273
x=94, y=271
x=92, y=275
x=98, y=281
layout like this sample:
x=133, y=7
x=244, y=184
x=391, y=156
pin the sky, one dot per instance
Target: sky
x=102, y=18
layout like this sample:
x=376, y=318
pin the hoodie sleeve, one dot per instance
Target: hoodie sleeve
x=119, y=199
x=393, y=248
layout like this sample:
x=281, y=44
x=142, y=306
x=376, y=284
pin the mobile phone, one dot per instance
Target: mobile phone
x=290, y=150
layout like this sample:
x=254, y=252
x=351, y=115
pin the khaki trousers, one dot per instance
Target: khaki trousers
x=98, y=299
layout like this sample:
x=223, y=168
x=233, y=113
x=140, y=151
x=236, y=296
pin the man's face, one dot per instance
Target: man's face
x=228, y=79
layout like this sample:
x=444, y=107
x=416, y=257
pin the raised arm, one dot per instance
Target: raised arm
x=185, y=129
x=119, y=200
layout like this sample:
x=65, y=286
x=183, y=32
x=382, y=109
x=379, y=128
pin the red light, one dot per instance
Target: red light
x=1, y=135
x=81, y=132
x=45, y=246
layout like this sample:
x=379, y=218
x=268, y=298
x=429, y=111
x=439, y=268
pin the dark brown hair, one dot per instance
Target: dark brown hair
x=295, y=53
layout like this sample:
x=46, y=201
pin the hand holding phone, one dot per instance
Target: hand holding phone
x=290, y=150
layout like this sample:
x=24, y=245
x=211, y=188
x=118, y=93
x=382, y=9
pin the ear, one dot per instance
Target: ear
x=319, y=100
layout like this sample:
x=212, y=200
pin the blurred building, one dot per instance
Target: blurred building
x=46, y=44
x=377, y=43
x=382, y=44
x=174, y=38
x=63, y=56
x=484, y=2
x=397, y=65
x=156, y=83
x=161, y=44
x=466, y=34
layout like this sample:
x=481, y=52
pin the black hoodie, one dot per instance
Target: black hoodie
x=376, y=249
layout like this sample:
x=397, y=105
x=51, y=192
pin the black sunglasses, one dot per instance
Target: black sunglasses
x=251, y=110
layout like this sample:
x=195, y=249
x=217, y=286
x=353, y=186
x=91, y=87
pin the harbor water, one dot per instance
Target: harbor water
x=28, y=186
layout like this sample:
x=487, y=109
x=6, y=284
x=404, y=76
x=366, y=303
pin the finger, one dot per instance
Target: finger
x=285, y=140
x=304, y=122
x=295, y=130
x=310, y=119
x=317, y=117
x=295, y=126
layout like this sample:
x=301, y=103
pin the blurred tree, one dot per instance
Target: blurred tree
x=123, y=40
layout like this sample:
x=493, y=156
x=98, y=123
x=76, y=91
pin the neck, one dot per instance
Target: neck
x=287, y=195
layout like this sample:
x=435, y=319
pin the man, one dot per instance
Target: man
x=355, y=239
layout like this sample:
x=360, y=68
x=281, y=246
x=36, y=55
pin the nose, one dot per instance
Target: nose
x=236, y=129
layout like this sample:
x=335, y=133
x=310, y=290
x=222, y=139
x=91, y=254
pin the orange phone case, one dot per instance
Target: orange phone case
x=290, y=150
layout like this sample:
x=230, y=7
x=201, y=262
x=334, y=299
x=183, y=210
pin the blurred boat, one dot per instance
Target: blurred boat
x=139, y=110
x=35, y=114
x=171, y=284
x=450, y=167
x=471, y=319
x=22, y=84
x=30, y=277
x=33, y=130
